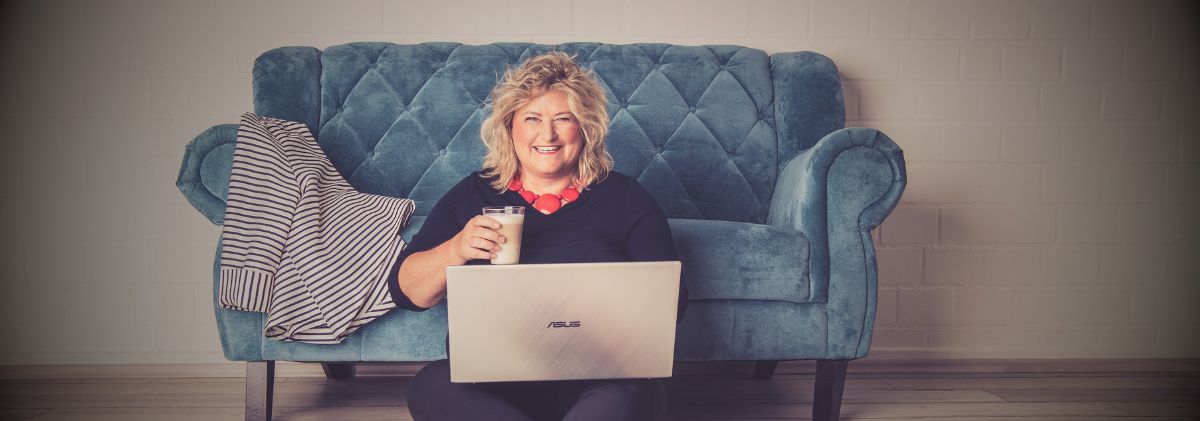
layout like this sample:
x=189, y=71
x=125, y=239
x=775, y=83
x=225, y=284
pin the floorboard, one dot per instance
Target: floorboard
x=904, y=392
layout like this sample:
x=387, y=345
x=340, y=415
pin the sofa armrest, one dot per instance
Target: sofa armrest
x=836, y=193
x=204, y=175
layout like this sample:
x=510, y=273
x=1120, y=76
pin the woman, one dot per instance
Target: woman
x=546, y=151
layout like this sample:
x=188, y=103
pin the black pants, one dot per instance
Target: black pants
x=432, y=397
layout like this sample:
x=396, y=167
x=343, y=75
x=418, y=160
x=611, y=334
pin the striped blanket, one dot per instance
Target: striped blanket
x=299, y=243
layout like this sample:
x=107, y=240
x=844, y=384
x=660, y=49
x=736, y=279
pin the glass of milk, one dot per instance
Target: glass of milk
x=512, y=220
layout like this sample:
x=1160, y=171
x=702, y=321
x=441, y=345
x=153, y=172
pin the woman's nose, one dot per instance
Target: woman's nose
x=548, y=131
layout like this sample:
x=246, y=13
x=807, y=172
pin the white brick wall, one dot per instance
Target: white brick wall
x=1052, y=153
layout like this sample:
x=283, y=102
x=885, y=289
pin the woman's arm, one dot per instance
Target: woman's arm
x=422, y=276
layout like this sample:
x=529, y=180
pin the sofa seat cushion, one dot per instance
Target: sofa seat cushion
x=399, y=335
x=729, y=266
x=725, y=260
x=712, y=330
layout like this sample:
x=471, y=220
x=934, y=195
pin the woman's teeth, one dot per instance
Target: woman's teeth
x=546, y=149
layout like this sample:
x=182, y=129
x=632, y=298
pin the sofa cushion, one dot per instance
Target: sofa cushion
x=711, y=330
x=398, y=335
x=732, y=260
x=742, y=261
x=749, y=330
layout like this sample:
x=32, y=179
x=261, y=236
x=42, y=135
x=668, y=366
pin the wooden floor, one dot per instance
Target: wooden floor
x=699, y=391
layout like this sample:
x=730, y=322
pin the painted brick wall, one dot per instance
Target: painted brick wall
x=1052, y=149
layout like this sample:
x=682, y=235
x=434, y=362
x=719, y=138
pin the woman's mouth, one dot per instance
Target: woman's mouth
x=547, y=149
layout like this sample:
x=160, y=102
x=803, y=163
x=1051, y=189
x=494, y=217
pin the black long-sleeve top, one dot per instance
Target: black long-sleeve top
x=615, y=220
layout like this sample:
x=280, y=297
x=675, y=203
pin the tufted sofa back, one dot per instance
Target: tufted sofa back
x=702, y=128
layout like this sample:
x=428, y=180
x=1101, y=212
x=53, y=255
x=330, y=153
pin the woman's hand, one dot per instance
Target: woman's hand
x=479, y=239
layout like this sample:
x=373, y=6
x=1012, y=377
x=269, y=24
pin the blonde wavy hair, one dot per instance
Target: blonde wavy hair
x=519, y=85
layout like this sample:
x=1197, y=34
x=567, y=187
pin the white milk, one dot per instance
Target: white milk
x=510, y=227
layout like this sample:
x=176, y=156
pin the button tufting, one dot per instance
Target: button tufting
x=692, y=109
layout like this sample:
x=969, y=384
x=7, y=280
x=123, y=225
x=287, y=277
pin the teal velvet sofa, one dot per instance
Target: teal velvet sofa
x=771, y=200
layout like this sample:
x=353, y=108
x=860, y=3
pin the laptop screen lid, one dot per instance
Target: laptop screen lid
x=562, y=321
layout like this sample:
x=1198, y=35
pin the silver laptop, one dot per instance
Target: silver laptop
x=562, y=321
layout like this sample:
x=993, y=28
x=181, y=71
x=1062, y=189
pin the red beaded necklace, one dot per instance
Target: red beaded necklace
x=546, y=203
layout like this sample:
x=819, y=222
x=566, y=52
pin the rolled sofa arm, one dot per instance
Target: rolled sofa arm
x=204, y=175
x=836, y=193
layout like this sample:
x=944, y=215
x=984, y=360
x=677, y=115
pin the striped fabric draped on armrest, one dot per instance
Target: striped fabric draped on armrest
x=299, y=242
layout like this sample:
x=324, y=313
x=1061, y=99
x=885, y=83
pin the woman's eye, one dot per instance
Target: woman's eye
x=565, y=119
x=532, y=119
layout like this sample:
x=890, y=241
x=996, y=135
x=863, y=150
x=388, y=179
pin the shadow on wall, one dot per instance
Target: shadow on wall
x=850, y=95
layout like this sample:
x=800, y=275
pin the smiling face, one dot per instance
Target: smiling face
x=547, y=137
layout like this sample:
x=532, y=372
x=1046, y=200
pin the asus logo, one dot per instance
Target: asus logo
x=574, y=323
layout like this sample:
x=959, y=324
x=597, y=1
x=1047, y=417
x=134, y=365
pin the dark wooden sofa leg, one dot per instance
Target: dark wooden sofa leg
x=763, y=370
x=827, y=398
x=338, y=371
x=260, y=387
